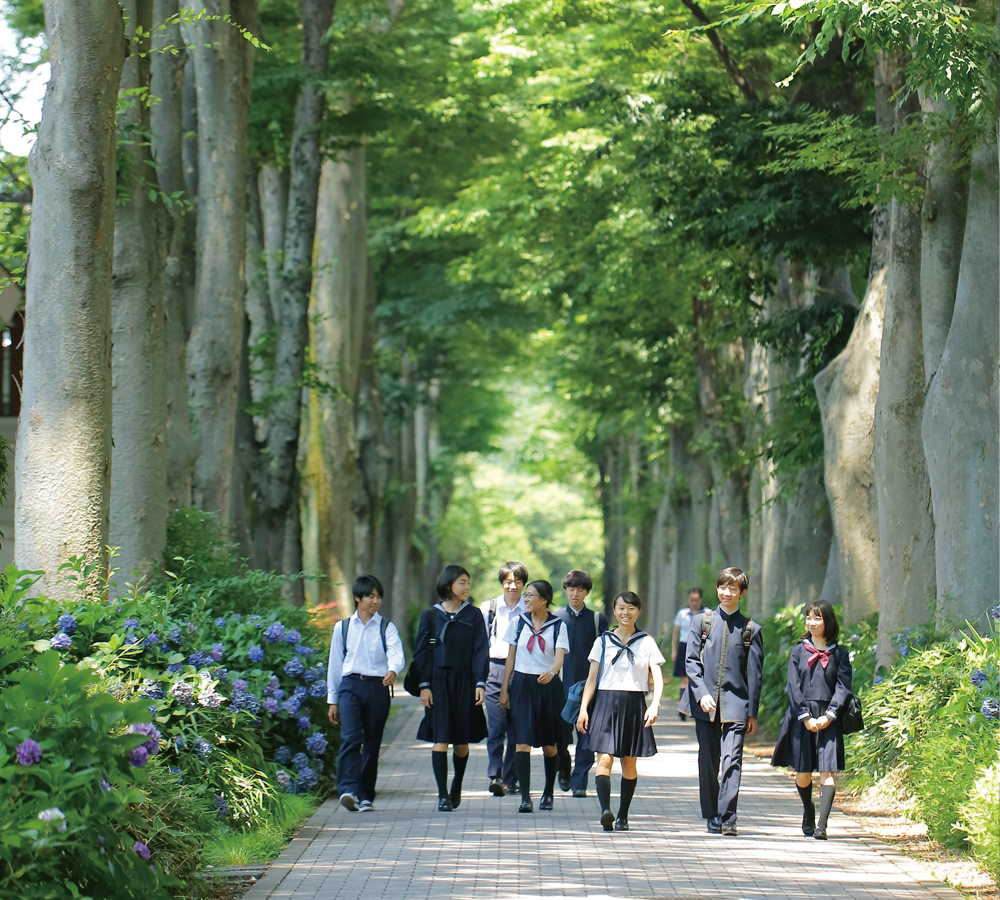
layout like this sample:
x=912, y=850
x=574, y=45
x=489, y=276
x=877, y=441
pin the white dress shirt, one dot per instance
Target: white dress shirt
x=537, y=660
x=626, y=674
x=498, y=646
x=365, y=655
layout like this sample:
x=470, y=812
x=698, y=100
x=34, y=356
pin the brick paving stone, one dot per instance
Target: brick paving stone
x=486, y=849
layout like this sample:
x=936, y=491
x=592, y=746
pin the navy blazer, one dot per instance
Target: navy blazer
x=582, y=634
x=831, y=685
x=738, y=695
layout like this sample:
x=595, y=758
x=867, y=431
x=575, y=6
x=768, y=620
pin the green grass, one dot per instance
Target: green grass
x=265, y=840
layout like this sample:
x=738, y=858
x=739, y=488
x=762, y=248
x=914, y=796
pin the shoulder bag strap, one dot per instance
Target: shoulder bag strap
x=344, y=625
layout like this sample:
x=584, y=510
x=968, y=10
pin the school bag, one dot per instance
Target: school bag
x=411, y=682
x=346, y=624
x=850, y=716
x=574, y=697
x=706, y=630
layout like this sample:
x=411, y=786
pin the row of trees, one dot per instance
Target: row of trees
x=769, y=311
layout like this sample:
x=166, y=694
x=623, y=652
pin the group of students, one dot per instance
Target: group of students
x=510, y=670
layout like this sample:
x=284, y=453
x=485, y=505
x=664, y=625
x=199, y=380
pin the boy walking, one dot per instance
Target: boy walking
x=365, y=656
x=725, y=657
x=583, y=628
x=498, y=613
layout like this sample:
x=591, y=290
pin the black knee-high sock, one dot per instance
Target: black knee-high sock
x=628, y=791
x=439, y=763
x=551, y=767
x=826, y=795
x=808, y=809
x=522, y=766
x=603, y=785
x=459, y=763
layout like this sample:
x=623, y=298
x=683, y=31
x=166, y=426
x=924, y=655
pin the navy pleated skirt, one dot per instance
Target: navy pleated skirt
x=809, y=751
x=617, y=725
x=679, y=670
x=535, y=710
x=454, y=718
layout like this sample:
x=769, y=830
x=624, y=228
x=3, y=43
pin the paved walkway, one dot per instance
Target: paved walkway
x=485, y=849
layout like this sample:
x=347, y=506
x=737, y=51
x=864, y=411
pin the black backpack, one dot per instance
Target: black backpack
x=412, y=679
x=345, y=624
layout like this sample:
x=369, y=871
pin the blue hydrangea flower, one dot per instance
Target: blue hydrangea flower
x=105, y=786
x=316, y=744
x=217, y=651
x=303, y=650
x=994, y=613
x=301, y=692
x=270, y=705
x=317, y=689
x=272, y=685
x=292, y=637
x=61, y=641
x=138, y=756
x=198, y=659
x=304, y=723
x=178, y=773
x=300, y=761
x=179, y=743
x=282, y=754
x=66, y=623
x=130, y=640
x=244, y=700
x=53, y=815
x=285, y=781
x=904, y=649
x=220, y=622
x=294, y=666
x=274, y=632
x=176, y=636
x=310, y=675
x=202, y=748
x=254, y=620
x=131, y=623
x=878, y=679
x=152, y=690
x=255, y=653
x=978, y=678
x=278, y=693
x=291, y=705
x=239, y=684
x=221, y=805
x=308, y=778
x=164, y=647
x=175, y=668
x=990, y=708
x=150, y=639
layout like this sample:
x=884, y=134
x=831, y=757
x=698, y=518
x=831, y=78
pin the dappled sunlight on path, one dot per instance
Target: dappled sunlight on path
x=485, y=849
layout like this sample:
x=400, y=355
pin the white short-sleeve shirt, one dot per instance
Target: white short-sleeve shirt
x=536, y=661
x=683, y=621
x=626, y=674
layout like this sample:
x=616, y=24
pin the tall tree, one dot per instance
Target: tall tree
x=139, y=361
x=63, y=457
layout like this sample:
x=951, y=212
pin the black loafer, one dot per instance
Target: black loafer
x=564, y=781
x=512, y=788
x=444, y=804
x=607, y=820
x=455, y=797
x=729, y=830
x=820, y=834
x=714, y=825
x=526, y=807
x=497, y=788
x=546, y=802
x=579, y=792
x=621, y=824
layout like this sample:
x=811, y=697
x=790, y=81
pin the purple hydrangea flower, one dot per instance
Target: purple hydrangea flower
x=270, y=705
x=294, y=666
x=66, y=623
x=292, y=637
x=274, y=632
x=217, y=651
x=990, y=708
x=61, y=641
x=104, y=785
x=131, y=623
x=255, y=653
x=292, y=706
x=272, y=685
x=979, y=677
x=202, y=748
x=239, y=684
x=29, y=752
x=179, y=743
x=282, y=754
x=53, y=815
x=138, y=757
x=994, y=613
x=304, y=723
x=176, y=636
x=316, y=744
x=278, y=693
x=152, y=745
x=220, y=622
x=303, y=650
x=317, y=689
x=140, y=848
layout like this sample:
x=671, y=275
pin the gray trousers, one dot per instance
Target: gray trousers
x=720, y=751
x=500, y=764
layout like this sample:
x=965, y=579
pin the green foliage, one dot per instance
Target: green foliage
x=980, y=814
x=262, y=842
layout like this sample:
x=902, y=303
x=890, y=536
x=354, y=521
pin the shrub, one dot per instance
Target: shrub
x=980, y=814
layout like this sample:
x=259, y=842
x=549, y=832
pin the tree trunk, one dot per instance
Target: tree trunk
x=139, y=361
x=960, y=421
x=63, y=455
x=611, y=467
x=223, y=64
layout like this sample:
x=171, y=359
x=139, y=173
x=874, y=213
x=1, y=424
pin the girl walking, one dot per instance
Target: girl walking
x=620, y=725
x=452, y=658
x=811, y=738
x=532, y=690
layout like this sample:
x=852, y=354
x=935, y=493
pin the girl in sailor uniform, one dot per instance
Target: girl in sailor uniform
x=532, y=689
x=620, y=724
x=811, y=738
x=452, y=656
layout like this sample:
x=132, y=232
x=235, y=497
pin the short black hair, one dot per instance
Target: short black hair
x=630, y=597
x=831, y=627
x=732, y=575
x=544, y=590
x=364, y=585
x=447, y=578
x=578, y=579
x=513, y=568
x=698, y=591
